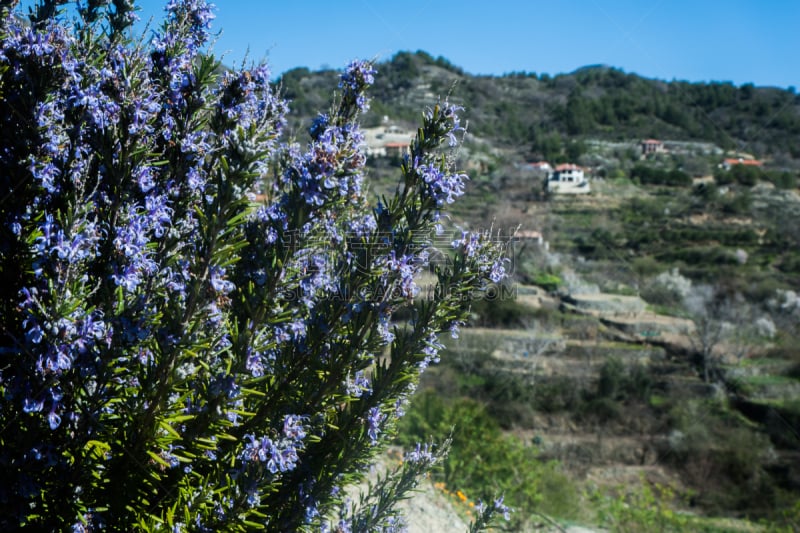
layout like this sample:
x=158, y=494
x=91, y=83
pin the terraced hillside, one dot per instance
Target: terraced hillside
x=619, y=409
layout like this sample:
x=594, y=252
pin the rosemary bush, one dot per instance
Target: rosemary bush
x=196, y=312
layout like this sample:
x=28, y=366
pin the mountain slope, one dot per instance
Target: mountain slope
x=533, y=112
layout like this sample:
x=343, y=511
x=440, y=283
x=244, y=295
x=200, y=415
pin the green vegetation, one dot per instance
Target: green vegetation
x=649, y=509
x=654, y=176
x=484, y=461
x=549, y=282
x=750, y=175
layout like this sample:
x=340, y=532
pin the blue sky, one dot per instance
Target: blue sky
x=697, y=40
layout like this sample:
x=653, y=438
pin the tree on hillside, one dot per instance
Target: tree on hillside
x=723, y=326
x=578, y=115
x=709, y=328
x=178, y=353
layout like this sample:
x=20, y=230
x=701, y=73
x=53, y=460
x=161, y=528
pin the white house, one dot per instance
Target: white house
x=567, y=179
x=652, y=146
x=387, y=140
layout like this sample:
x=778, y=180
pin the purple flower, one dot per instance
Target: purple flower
x=131, y=238
x=430, y=351
x=406, y=269
x=53, y=418
x=32, y=405
x=281, y=335
x=197, y=13
x=421, y=454
x=319, y=125
x=218, y=282
x=332, y=166
x=34, y=333
x=169, y=457
x=501, y=507
x=401, y=403
x=82, y=245
x=278, y=455
x=363, y=226
x=384, y=330
x=47, y=175
x=196, y=178
x=158, y=214
x=255, y=363
x=195, y=143
x=450, y=112
x=441, y=187
x=297, y=329
x=132, y=241
x=497, y=272
x=253, y=496
x=317, y=277
x=247, y=99
x=359, y=385
x=145, y=178
x=357, y=77
x=293, y=428
x=454, y=328
x=374, y=420
x=470, y=242
x=451, y=122
x=101, y=109
x=142, y=113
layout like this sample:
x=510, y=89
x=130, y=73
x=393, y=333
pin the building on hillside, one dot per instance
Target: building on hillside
x=652, y=146
x=396, y=149
x=731, y=162
x=529, y=236
x=567, y=179
x=387, y=140
x=540, y=166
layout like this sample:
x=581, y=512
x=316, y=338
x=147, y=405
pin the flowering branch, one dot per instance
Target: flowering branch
x=175, y=354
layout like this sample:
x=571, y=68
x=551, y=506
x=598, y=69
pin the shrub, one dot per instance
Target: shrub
x=706, y=191
x=646, y=266
x=621, y=382
x=557, y=394
x=741, y=174
x=176, y=353
x=502, y=312
x=783, y=180
x=647, y=509
x=656, y=176
x=549, y=282
x=738, y=204
x=601, y=410
x=721, y=456
x=667, y=289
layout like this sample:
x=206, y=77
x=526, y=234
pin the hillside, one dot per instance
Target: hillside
x=542, y=115
x=642, y=370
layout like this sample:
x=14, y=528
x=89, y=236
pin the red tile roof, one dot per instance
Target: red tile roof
x=746, y=162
